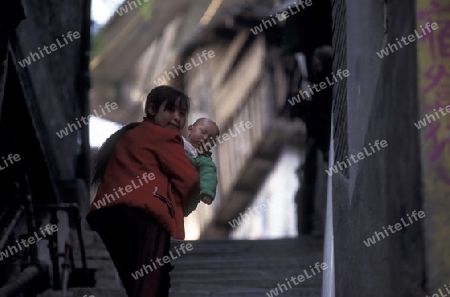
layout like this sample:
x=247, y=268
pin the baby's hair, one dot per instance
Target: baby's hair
x=199, y=120
x=165, y=93
x=156, y=97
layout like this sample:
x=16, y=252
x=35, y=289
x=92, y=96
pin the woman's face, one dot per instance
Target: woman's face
x=168, y=119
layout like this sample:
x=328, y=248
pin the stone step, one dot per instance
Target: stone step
x=217, y=268
x=235, y=285
x=198, y=292
x=79, y=292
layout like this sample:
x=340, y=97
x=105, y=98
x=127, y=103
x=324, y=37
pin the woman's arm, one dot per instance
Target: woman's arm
x=174, y=162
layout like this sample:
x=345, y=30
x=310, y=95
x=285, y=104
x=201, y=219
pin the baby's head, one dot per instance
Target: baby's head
x=202, y=131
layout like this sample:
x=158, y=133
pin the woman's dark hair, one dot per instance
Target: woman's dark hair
x=162, y=93
x=154, y=99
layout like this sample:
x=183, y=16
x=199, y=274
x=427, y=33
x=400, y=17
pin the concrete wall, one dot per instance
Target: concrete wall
x=382, y=188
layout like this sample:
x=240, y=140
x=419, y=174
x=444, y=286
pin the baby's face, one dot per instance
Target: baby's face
x=202, y=132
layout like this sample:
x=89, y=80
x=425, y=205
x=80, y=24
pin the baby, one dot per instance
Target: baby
x=197, y=146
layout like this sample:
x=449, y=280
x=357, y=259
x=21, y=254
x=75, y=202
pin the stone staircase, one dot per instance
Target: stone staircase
x=232, y=268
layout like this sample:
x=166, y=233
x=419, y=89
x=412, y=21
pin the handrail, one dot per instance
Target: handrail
x=10, y=227
x=75, y=208
x=26, y=276
x=31, y=224
x=25, y=280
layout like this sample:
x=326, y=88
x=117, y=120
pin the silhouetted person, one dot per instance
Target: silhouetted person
x=315, y=110
x=319, y=121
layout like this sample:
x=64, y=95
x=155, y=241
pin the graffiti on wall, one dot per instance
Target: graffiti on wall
x=434, y=79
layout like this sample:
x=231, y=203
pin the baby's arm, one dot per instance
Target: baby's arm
x=208, y=179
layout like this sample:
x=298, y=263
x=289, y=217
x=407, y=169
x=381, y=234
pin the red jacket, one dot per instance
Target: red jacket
x=150, y=149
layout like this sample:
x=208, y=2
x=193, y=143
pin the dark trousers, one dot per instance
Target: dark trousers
x=134, y=239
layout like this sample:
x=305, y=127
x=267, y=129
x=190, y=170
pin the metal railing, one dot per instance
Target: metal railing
x=34, y=276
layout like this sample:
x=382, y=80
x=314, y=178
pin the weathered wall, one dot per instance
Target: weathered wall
x=434, y=80
x=381, y=189
x=55, y=79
